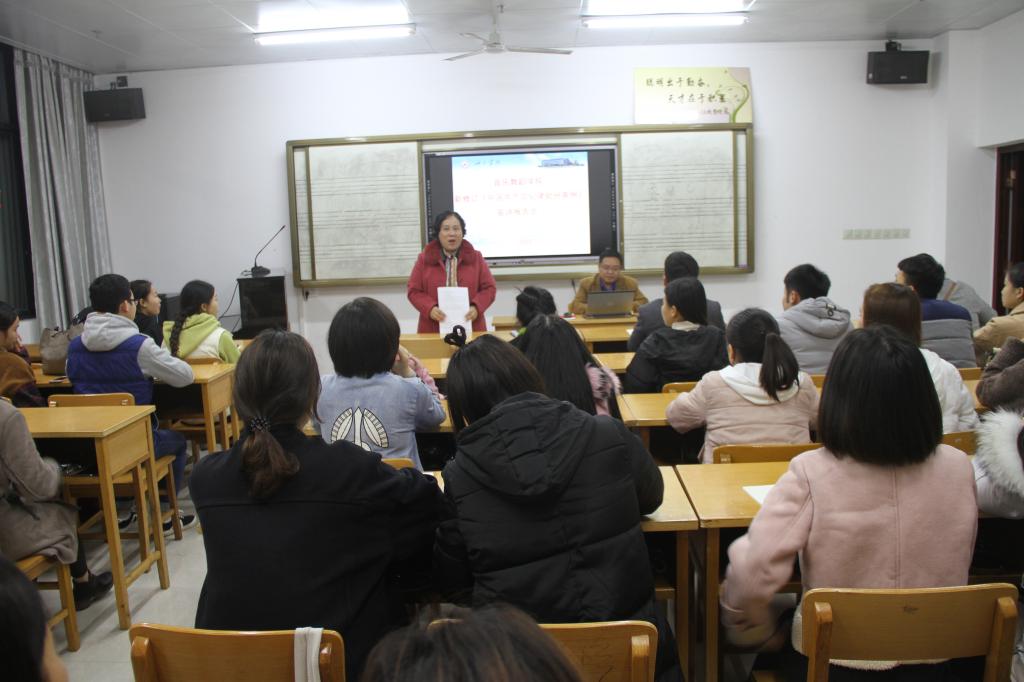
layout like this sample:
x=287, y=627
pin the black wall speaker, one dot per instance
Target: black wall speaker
x=896, y=67
x=121, y=104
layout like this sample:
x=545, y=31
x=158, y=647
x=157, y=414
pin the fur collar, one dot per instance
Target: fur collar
x=997, y=453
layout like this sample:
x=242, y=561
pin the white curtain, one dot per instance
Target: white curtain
x=63, y=185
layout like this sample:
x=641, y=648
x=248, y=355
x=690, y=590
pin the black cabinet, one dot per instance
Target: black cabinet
x=262, y=305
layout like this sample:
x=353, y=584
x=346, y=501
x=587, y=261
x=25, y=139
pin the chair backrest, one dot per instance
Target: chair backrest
x=818, y=379
x=961, y=440
x=398, y=462
x=679, y=387
x=969, y=373
x=760, y=452
x=910, y=625
x=618, y=651
x=162, y=653
x=91, y=399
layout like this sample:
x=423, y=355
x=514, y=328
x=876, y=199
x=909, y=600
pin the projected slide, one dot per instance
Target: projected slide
x=518, y=204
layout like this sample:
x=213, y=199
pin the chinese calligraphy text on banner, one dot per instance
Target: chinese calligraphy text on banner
x=692, y=95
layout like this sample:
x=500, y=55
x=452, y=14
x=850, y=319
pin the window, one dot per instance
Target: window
x=15, y=249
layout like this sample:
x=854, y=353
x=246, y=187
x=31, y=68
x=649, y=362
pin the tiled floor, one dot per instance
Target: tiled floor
x=105, y=652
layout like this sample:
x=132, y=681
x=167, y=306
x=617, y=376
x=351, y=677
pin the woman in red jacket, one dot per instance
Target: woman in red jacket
x=449, y=260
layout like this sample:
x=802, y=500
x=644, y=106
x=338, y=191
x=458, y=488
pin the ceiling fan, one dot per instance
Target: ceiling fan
x=493, y=44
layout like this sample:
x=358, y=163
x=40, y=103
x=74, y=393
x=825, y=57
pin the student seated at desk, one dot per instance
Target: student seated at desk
x=147, y=309
x=999, y=464
x=812, y=325
x=375, y=400
x=531, y=302
x=111, y=356
x=567, y=368
x=1002, y=382
x=609, y=277
x=298, y=532
x=899, y=307
x=545, y=500
x=17, y=381
x=761, y=398
x=33, y=519
x=882, y=505
x=197, y=332
x=994, y=334
x=685, y=349
x=946, y=327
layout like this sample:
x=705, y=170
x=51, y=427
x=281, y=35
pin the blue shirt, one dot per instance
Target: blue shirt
x=934, y=309
x=380, y=414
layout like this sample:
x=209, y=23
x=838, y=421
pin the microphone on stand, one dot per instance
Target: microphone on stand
x=259, y=270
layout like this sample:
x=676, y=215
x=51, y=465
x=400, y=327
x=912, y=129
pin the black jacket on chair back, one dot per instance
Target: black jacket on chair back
x=547, y=502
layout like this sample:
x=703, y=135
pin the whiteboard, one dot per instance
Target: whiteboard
x=357, y=206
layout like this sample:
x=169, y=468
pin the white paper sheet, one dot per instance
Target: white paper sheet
x=758, y=492
x=454, y=303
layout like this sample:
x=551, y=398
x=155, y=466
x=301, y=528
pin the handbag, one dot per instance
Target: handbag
x=53, y=347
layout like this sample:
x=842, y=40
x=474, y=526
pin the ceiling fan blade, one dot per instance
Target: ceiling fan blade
x=465, y=54
x=474, y=35
x=539, y=50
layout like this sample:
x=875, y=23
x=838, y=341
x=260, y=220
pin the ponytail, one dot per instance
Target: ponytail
x=175, y=340
x=266, y=464
x=779, y=368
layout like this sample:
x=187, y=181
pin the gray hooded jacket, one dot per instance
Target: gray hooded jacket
x=813, y=328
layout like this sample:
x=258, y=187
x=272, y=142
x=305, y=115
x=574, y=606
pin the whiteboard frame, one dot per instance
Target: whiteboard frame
x=529, y=136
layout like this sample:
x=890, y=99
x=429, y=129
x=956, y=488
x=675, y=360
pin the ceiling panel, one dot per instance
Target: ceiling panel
x=127, y=35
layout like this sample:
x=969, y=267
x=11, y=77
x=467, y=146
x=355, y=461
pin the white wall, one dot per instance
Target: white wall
x=195, y=188
x=1001, y=82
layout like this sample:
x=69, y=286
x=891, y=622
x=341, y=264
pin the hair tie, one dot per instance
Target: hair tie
x=259, y=424
x=457, y=338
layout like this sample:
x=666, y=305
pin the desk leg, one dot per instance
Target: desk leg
x=683, y=584
x=158, y=526
x=124, y=617
x=223, y=417
x=711, y=605
x=645, y=437
x=211, y=433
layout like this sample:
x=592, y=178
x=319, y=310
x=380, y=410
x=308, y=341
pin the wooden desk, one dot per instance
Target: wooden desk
x=437, y=368
x=616, y=362
x=49, y=381
x=644, y=411
x=433, y=346
x=716, y=491
x=122, y=438
x=209, y=394
x=34, y=354
x=509, y=322
x=605, y=334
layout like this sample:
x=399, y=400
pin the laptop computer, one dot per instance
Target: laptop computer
x=609, y=303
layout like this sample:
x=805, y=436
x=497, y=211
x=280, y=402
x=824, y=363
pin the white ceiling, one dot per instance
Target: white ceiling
x=106, y=36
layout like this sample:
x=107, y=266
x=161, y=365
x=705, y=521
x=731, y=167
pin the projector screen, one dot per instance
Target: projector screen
x=528, y=205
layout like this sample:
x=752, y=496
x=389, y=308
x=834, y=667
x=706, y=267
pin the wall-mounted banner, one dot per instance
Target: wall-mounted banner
x=693, y=95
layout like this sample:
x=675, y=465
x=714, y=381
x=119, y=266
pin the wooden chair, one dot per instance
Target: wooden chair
x=961, y=440
x=399, y=462
x=909, y=625
x=679, y=387
x=760, y=452
x=163, y=653
x=970, y=373
x=618, y=651
x=819, y=380
x=36, y=565
x=86, y=486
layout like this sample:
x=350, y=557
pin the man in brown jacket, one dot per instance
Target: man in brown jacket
x=609, y=277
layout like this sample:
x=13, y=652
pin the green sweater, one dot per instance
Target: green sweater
x=198, y=339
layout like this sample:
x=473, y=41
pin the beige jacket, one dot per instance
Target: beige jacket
x=736, y=410
x=853, y=525
x=588, y=284
x=994, y=334
x=37, y=482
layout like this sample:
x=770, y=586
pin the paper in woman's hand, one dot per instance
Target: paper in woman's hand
x=454, y=302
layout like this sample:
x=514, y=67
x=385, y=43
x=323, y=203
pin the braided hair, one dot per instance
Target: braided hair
x=194, y=296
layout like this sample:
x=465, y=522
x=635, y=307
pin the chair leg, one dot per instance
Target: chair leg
x=67, y=602
x=139, y=483
x=172, y=501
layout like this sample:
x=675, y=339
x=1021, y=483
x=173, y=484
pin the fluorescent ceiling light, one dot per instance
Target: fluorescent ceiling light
x=635, y=7
x=664, y=21
x=324, y=35
x=275, y=19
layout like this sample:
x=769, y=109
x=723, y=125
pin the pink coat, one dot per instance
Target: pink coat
x=854, y=525
x=428, y=274
x=731, y=418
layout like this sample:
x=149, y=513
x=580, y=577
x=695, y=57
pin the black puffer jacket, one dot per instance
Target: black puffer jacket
x=547, y=502
x=669, y=355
